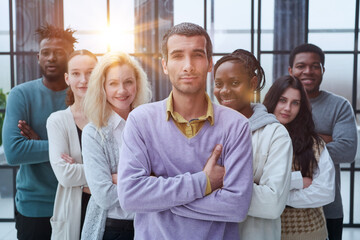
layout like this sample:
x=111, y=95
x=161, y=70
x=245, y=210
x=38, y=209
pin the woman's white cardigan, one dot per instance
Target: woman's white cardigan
x=63, y=138
x=272, y=160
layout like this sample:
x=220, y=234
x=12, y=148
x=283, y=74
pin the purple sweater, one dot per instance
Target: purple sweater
x=172, y=205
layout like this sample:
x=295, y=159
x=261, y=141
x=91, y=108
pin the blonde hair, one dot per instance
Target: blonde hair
x=96, y=107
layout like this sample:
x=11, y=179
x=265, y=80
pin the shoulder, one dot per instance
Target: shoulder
x=332, y=97
x=25, y=88
x=272, y=131
x=60, y=115
x=276, y=127
x=228, y=116
x=89, y=128
x=331, y=104
x=149, y=111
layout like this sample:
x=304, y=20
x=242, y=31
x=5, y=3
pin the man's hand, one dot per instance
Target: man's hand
x=307, y=182
x=114, y=178
x=214, y=171
x=27, y=131
x=67, y=158
x=326, y=138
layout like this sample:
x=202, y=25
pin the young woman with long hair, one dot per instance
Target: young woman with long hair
x=64, y=133
x=313, y=174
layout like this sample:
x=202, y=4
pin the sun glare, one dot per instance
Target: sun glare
x=117, y=39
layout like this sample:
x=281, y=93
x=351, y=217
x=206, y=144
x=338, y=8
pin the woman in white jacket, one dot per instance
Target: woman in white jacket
x=64, y=132
x=237, y=76
x=313, y=173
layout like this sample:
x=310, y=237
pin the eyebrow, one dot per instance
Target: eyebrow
x=55, y=48
x=305, y=63
x=176, y=51
x=76, y=68
x=199, y=50
x=297, y=100
x=195, y=50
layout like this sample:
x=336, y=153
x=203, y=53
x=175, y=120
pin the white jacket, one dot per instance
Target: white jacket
x=63, y=138
x=272, y=159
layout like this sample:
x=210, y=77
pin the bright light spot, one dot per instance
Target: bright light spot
x=118, y=39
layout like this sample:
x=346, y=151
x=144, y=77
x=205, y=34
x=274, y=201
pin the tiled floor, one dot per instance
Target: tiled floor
x=8, y=232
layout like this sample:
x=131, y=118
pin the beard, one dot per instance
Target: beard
x=188, y=89
x=53, y=76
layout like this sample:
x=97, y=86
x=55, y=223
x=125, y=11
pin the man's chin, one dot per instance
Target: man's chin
x=53, y=75
x=311, y=90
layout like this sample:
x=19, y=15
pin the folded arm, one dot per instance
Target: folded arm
x=18, y=149
x=232, y=201
x=270, y=194
x=342, y=148
x=138, y=191
x=68, y=175
x=322, y=189
x=97, y=170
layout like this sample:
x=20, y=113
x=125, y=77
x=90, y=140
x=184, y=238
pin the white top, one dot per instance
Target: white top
x=322, y=189
x=118, y=124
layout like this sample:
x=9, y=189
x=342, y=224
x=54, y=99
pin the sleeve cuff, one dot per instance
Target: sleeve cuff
x=296, y=180
x=208, y=185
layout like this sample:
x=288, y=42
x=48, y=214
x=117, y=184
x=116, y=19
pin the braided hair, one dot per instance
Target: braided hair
x=250, y=63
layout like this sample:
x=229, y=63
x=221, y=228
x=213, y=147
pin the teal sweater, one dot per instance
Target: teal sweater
x=35, y=181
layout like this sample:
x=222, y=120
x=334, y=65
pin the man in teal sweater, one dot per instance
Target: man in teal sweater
x=25, y=137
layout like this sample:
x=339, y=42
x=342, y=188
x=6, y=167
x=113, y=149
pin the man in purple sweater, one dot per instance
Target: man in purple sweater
x=165, y=174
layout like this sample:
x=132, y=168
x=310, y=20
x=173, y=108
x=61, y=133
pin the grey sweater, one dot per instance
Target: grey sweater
x=333, y=115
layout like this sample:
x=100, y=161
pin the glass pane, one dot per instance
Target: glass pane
x=91, y=27
x=345, y=165
x=357, y=196
x=357, y=156
x=227, y=17
x=184, y=13
x=331, y=14
x=345, y=194
x=215, y=59
x=332, y=41
x=224, y=42
x=266, y=62
x=358, y=86
x=5, y=82
x=4, y=26
x=14, y=21
x=338, y=74
x=6, y=193
x=210, y=86
x=331, y=24
x=267, y=25
x=230, y=30
x=267, y=40
x=122, y=22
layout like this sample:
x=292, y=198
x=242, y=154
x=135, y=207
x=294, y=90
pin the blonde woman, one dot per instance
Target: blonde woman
x=117, y=85
x=64, y=132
